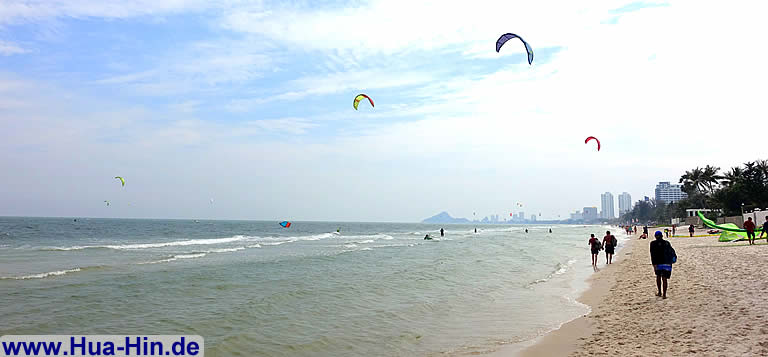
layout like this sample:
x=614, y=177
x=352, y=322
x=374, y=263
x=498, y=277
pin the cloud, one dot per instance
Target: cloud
x=8, y=48
x=23, y=11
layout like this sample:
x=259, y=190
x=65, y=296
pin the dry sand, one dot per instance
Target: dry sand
x=717, y=305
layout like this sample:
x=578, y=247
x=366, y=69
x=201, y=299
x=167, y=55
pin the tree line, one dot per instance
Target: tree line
x=742, y=187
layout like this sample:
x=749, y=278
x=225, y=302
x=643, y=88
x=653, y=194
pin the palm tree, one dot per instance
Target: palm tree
x=692, y=181
x=732, y=177
x=762, y=167
x=710, y=178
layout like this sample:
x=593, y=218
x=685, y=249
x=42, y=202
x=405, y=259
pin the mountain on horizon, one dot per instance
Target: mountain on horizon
x=444, y=217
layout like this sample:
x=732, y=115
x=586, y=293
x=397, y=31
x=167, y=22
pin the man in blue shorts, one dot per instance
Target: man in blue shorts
x=661, y=266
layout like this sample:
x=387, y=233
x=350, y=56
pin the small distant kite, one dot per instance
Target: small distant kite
x=122, y=180
x=508, y=36
x=360, y=97
x=285, y=224
x=107, y=202
x=595, y=139
x=519, y=204
x=211, y=200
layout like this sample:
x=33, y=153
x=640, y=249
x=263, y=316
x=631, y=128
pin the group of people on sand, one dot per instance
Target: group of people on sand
x=608, y=244
x=662, y=254
x=750, y=227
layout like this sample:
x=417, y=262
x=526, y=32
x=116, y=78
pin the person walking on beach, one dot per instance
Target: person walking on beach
x=749, y=226
x=765, y=229
x=635, y=229
x=645, y=230
x=442, y=233
x=595, y=246
x=609, y=243
x=662, y=263
x=691, y=230
x=673, y=229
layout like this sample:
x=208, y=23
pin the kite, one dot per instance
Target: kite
x=508, y=36
x=122, y=180
x=285, y=224
x=360, y=97
x=595, y=139
x=211, y=200
x=107, y=202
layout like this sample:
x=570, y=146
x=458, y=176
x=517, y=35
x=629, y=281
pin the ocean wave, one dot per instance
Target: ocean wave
x=41, y=275
x=559, y=269
x=210, y=241
x=174, y=258
x=277, y=243
x=225, y=250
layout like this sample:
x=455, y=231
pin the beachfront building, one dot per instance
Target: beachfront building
x=533, y=218
x=625, y=203
x=668, y=193
x=606, y=204
x=577, y=216
x=589, y=213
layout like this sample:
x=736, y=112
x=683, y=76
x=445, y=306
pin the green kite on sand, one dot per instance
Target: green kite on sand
x=731, y=232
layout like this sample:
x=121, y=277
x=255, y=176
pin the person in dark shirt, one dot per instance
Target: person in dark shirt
x=765, y=229
x=594, y=244
x=691, y=230
x=749, y=226
x=608, y=246
x=661, y=266
x=442, y=233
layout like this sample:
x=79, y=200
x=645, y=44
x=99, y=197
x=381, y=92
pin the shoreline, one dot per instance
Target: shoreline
x=715, y=306
x=567, y=339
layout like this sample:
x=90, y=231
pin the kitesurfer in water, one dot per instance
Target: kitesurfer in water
x=442, y=233
x=550, y=230
x=526, y=230
x=427, y=237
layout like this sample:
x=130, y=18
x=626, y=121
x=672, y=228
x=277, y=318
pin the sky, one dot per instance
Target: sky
x=249, y=104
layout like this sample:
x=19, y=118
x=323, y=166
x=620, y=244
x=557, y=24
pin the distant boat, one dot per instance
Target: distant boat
x=196, y=221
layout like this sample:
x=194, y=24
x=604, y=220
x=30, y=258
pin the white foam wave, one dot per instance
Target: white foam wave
x=365, y=241
x=175, y=257
x=42, y=275
x=165, y=244
x=278, y=243
x=225, y=250
x=350, y=245
x=257, y=245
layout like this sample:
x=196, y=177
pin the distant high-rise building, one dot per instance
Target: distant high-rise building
x=533, y=218
x=606, y=204
x=521, y=216
x=625, y=203
x=589, y=213
x=668, y=193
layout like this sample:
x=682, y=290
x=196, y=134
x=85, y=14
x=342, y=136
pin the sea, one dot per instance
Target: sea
x=253, y=288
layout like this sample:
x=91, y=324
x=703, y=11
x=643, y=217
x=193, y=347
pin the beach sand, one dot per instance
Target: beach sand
x=717, y=305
